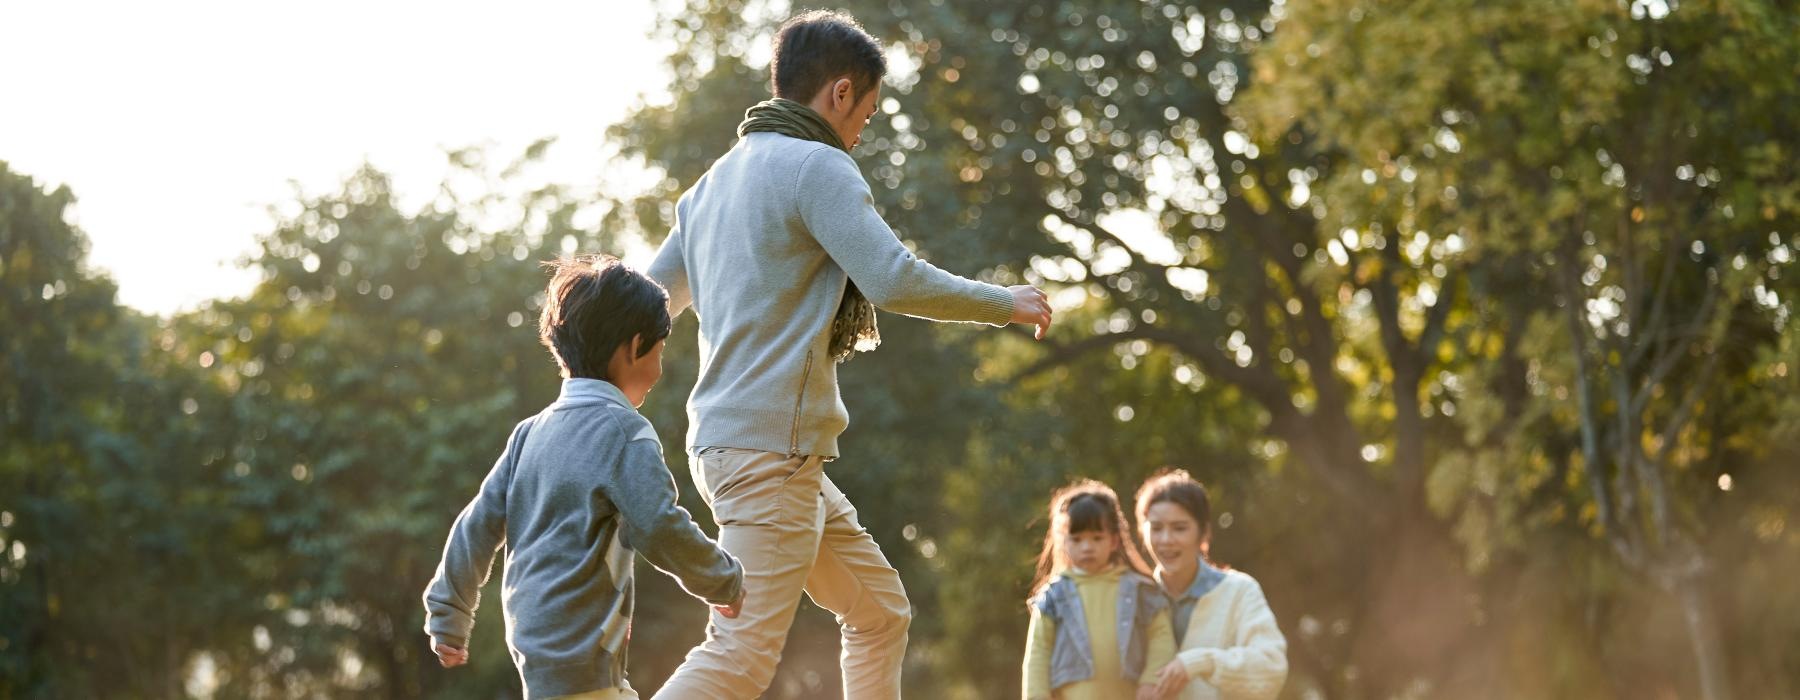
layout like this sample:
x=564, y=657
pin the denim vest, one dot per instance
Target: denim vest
x=1072, y=655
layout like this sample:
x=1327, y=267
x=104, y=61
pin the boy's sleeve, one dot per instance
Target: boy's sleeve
x=1040, y=635
x=644, y=492
x=1255, y=666
x=1159, y=649
x=669, y=269
x=480, y=530
x=839, y=210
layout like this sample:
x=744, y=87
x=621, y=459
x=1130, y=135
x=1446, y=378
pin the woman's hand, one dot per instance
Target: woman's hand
x=1171, y=679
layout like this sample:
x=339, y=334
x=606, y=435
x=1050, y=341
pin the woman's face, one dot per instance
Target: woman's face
x=1174, y=536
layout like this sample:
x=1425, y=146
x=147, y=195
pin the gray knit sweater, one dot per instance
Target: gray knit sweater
x=580, y=486
x=761, y=247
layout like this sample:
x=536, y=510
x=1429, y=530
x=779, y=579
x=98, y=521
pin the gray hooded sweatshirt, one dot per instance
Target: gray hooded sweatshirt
x=580, y=486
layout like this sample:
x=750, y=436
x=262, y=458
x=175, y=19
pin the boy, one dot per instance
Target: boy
x=580, y=486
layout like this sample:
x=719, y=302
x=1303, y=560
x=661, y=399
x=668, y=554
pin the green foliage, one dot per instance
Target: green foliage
x=108, y=510
x=1476, y=319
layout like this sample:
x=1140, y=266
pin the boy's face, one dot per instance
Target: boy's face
x=635, y=375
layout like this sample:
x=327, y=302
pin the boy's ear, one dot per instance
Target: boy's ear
x=637, y=347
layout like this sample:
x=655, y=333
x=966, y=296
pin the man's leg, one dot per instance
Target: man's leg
x=769, y=514
x=853, y=579
x=623, y=692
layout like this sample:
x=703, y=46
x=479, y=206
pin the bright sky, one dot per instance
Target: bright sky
x=177, y=124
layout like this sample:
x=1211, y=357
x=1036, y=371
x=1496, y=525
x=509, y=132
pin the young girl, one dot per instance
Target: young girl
x=1230, y=647
x=1099, y=627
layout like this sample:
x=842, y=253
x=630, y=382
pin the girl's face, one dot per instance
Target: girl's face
x=1174, y=537
x=1090, y=550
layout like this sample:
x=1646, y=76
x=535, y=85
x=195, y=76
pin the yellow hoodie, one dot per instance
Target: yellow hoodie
x=1099, y=594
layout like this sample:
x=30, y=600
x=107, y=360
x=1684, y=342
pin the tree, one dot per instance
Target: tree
x=1338, y=241
x=109, y=524
x=1477, y=319
x=374, y=373
x=1617, y=173
x=1054, y=133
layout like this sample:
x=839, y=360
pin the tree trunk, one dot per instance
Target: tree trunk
x=1703, y=632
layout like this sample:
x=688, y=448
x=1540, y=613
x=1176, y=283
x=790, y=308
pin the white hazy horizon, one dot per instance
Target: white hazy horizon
x=178, y=125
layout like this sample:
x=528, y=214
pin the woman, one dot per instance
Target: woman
x=1229, y=645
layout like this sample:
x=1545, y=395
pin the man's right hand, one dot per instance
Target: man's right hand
x=1031, y=306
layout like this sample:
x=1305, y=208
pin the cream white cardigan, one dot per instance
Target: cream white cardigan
x=1233, y=649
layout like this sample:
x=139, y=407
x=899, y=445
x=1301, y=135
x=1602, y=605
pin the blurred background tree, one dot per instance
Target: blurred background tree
x=1476, y=318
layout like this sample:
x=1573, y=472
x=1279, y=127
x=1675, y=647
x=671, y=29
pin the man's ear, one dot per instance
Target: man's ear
x=843, y=94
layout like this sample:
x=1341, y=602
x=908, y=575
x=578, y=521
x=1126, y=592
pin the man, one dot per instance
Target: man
x=781, y=253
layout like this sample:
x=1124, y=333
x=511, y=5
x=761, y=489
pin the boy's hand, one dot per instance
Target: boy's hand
x=1147, y=692
x=1171, y=679
x=451, y=657
x=1031, y=306
x=730, y=612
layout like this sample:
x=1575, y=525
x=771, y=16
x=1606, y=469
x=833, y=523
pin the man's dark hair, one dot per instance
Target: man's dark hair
x=595, y=304
x=816, y=47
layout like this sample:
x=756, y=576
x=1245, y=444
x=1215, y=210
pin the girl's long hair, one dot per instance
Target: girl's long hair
x=1084, y=506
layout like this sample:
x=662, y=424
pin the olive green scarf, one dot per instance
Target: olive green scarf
x=853, y=329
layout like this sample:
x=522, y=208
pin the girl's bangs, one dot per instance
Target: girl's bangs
x=1090, y=513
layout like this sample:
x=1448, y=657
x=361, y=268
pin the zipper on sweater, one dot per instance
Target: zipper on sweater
x=805, y=376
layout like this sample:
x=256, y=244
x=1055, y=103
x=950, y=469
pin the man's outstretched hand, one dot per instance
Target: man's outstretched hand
x=1031, y=306
x=451, y=657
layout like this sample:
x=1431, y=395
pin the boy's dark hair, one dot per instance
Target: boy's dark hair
x=816, y=47
x=593, y=305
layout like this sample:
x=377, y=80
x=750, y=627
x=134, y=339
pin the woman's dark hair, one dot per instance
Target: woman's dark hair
x=1178, y=487
x=813, y=48
x=593, y=305
x=1084, y=506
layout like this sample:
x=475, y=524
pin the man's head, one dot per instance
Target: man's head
x=603, y=320
x=826, y=61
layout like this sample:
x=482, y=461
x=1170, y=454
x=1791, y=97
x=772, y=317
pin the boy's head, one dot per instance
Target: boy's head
x=826, y=61
x=603, y=320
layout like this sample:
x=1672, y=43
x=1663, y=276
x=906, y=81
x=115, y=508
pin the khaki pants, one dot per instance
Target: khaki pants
x=793, y=530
